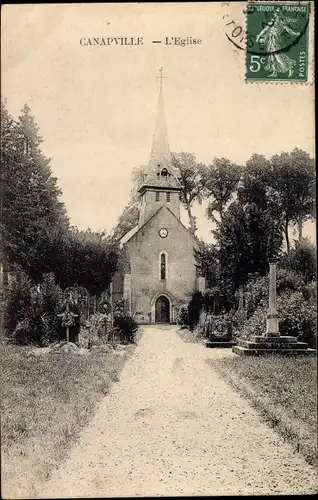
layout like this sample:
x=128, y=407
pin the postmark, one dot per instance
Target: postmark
x=277, y=41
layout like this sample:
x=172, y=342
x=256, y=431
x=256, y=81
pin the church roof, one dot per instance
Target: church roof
x=135, y=230
x=128, y=235
x=160, y=157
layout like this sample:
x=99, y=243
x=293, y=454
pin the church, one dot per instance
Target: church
x=157, y=272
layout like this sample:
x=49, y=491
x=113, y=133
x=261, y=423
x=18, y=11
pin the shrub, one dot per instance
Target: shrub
x=302, y=259
x=194, y=308
x=183, y=319
x=125, y=325
x=17, y=300
x=255, y=325
x=31, y=311
x=256, y=294
x=297, y=317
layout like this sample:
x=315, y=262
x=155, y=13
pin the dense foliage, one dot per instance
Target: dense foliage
x=31, y=312
x=35, y=229
x=37, y=240
x=32, y=210
x=296, y=306
x=302, y=259
x=251, y=208
x=183, y=316
x=190, y=174
x=194, y=308
x=256, y=206
x=124, y=323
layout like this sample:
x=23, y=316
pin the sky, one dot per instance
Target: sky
x=96, y=105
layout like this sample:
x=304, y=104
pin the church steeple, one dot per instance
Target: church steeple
x=160, y=153
x=161, y=184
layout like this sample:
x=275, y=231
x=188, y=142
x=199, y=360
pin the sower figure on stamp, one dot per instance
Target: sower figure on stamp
x=271, y=37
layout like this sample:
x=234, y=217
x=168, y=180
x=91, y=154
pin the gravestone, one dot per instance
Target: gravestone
x=69, y=323
x=219, y=332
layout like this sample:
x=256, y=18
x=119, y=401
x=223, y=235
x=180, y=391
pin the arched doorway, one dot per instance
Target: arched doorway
x=162, y=310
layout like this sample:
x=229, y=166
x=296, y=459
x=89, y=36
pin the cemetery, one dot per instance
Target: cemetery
x=94, y=356
x=219, y=327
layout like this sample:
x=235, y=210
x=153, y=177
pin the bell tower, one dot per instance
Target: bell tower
x=160, y=185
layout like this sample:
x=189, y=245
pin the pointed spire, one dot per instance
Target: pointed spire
x=160, y=153
x=160, y=158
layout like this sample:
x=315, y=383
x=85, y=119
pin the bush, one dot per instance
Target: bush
x=298, y=317
x=125, y=325
x=296, y=314
x=194, y=308
x=95, y=331
x=257, y=289
x=183, y=319
x=255, y=325
x=31, y=312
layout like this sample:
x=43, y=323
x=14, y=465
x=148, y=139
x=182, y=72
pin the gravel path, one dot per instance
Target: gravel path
x=171, y=426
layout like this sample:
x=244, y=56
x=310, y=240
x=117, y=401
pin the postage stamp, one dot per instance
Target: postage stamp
x=277, y=41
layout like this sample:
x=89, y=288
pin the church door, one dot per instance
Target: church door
x=162, y=313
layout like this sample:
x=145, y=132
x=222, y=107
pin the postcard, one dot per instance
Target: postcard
x=158, y=249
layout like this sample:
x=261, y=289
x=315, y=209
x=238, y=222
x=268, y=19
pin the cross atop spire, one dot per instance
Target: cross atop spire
x=160, y=158
x=161, y=77
x=161, y=181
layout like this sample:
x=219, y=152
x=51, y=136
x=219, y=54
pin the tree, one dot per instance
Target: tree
x=126, y=221
x=31, y=205
x=36, y=229
x=86, y=259
x=293, y=178
x=207, y=263
x=191, y=182
x=255, y=189
x=220, y=180
x=255, y=181
x=6, y=149
x=194, y=308
x=250, y=230
x=130, y=216
x=302, y=259
x=246, y=238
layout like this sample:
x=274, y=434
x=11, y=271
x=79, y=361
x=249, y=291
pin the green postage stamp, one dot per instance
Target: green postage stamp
x=277, y=41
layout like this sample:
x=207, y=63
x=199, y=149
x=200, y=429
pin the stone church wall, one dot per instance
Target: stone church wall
x=144, y=249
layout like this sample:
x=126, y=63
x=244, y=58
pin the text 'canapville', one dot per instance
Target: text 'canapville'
x=138, y=41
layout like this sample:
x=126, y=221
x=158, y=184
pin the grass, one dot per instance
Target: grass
x=46, y=400
x=187, y=336
x=283, y=390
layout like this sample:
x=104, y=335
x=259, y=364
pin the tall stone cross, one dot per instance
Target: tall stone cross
x=241, y=312
x=241, y=299
x=161, y=77
x=272, y=324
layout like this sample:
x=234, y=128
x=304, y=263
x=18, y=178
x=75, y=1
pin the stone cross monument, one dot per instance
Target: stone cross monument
x=271, y=341
x=272, y=327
